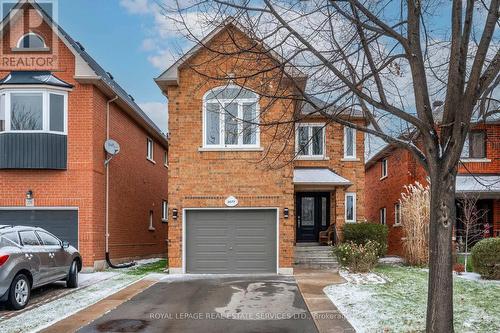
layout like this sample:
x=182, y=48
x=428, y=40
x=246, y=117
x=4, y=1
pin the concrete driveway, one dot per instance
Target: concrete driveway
x=212, y=304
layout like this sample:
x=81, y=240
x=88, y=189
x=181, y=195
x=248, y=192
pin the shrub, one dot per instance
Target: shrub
x=459, y=268
x=486, y=258
x=357, y=258
x=361, y=233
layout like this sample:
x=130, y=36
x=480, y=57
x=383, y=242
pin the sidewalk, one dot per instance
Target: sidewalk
x=327, y=317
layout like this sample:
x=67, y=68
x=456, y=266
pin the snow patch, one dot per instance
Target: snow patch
x=362, y=278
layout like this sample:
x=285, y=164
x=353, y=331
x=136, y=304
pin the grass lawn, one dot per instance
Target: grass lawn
x=154, y=267
x=400, y=304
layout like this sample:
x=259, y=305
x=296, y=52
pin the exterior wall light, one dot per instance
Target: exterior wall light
x=175, y=214
x=286, y=213
x=29, y=194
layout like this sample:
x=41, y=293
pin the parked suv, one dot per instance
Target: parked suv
x=32, y=257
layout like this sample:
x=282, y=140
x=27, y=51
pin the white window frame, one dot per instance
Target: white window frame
x=165, y=158
x=45, y=92
x=164, y=211
x=353, y=195
x=353, y=156
x=222, y=119
x=309, y=134
x=397, y=214
x=150, y=150
x=151, y=221
x=383, y=216
x=19, y=47
x=384, y=168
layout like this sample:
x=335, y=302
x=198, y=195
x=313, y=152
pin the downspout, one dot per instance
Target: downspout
x=106, y=165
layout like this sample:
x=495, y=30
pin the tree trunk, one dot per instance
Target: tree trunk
x=442, y=219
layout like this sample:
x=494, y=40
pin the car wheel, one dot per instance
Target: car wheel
x=19, y=292
x=72, y=280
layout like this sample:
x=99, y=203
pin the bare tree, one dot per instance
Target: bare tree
x=470, y=219
x=385, y=59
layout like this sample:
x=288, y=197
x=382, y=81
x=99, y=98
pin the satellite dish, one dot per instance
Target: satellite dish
x=112, y=147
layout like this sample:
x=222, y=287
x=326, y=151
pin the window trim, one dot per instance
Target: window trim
x=310, y=125
x=165, y=158
x=20, y=48
x=384, y=172
x=353, y=195
x=222, y=119
x=164, y=211
x=46, y=92
x=148, y=156
x=397, y=214
x=384, y=215
x=353, y=156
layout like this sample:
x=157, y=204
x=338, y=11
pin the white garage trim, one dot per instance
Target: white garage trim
x=184, y=210
x=51, y=208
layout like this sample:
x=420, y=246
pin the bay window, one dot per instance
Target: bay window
x=231, y=118
x=33, y=111
x=310, y=140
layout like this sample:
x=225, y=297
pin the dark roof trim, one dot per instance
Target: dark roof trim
x=34, y=78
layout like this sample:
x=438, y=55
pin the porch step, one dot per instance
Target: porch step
x=316, y=257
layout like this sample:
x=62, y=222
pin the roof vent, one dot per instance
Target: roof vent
x=110, y=76
x=80, y=46
x=132, y=98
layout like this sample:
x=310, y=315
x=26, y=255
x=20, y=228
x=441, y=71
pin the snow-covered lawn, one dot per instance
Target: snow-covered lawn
x=93, y=288
x=399, y=304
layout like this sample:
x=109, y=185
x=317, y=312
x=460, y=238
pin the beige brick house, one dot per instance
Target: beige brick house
x=242, y=194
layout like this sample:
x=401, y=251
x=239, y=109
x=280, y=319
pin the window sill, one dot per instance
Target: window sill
x=151, y=229
x=312, y=158
x=23, y=49
x=475, y=160
x=352, y=222
x=350, y=159
x=396, y=225
x=384, y=177
x=164, y=220
x=150, y=160
x=243, y=149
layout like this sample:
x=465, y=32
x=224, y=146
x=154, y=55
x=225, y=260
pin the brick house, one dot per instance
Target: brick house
x=230, y=210
x=392, y=168
x=57, y=109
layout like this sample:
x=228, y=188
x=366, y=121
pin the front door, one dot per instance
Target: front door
x=313, y=215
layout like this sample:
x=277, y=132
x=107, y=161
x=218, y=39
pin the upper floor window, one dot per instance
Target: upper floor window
x=310, y=140
x=165, y=158
x=164, y=210
x=150, y=149
x=349, y=142
x=475, y=145
x=33, y=111
x=397, y=214
x=383, y=168
x=31, y=41
x=231, y=118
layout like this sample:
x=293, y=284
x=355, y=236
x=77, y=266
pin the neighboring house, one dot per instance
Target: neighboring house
x=392, y=168
x=230, y=211
x=54, y=101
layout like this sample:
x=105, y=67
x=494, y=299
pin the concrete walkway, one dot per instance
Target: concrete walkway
x=327, y=317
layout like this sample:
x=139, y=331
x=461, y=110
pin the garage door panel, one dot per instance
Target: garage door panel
x=61, y=223
x=248, y=238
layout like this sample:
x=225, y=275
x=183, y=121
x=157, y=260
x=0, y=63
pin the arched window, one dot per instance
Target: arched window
x=31, y=41
x=231, y=117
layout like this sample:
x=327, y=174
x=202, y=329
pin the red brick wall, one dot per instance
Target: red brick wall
x=136, y=185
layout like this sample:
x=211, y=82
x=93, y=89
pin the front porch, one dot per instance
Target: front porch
x=322, y=205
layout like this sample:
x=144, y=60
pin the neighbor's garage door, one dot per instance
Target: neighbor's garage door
x=231, y=241
x=61, y=223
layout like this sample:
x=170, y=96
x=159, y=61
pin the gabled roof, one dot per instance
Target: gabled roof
x=34, y=77
x=89, y=71
x=171, y=75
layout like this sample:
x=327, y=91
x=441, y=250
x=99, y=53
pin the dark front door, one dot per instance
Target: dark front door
x=313, y=215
